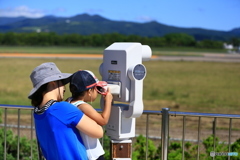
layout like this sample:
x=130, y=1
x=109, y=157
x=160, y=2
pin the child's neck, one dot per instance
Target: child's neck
x=77, y=99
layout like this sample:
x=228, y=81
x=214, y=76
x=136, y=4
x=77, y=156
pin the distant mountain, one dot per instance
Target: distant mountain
x=7, y=20
x=236, y=31
x=85, y=24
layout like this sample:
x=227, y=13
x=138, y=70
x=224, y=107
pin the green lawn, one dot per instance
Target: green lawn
x=183, y=51
x=58, y=50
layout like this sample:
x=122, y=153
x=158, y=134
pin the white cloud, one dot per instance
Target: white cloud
x=59, y=10
x=144, y=19
x=21, y=11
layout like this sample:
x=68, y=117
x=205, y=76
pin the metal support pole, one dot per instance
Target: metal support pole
x=5, y=134
x=214, y=134
x=199, y=133
x=18, y=132
x=121, y=149
x=165, y=133
x=32, y=134
x=147, y=127
x=229, y=137
x=183, y=137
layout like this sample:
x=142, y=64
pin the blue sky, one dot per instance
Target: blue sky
x=221, y=15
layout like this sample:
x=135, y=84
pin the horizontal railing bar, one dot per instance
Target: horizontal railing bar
x=16, y=106
x=152, y=112
x=171, y=113
x=16, y=126
x=196, y=114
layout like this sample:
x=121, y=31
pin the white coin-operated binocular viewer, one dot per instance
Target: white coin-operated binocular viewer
x=124, y=72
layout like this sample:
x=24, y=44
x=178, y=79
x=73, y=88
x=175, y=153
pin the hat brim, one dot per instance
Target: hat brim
x=63, y=76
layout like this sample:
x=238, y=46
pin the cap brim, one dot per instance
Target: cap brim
x=102, y=83
x=63, y=76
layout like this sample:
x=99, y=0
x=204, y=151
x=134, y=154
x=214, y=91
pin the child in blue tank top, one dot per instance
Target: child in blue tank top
x=85, y=87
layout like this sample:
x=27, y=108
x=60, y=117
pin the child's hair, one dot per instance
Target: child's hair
x=75, y=93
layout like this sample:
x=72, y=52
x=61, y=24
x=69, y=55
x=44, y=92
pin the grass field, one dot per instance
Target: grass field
x=182, y=86
x=99, y=50
x=50, y=50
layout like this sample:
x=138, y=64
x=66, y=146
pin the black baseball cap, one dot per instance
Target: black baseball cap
x=83, y=80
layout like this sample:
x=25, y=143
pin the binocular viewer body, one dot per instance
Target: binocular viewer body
x=124, y=73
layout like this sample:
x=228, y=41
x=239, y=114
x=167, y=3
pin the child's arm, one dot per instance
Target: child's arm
x=95, y=131
x=101, y=119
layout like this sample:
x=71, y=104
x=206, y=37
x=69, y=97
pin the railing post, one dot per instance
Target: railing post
x=147, y=127
x=229, y=137
x=183, y=137
x=165, y=133
x=18, y=133
x=32, y=124
x=5, y=134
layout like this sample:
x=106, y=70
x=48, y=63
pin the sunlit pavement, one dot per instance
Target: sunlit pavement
x=206, y=58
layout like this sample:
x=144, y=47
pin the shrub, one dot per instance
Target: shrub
x=12, y=146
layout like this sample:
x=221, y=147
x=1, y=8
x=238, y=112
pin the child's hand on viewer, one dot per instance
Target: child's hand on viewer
x=108, y=96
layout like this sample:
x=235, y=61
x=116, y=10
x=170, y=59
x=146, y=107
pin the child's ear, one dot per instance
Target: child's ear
x=89, y=92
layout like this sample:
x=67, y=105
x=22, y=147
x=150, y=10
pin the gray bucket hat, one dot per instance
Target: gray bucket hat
x=44, y=73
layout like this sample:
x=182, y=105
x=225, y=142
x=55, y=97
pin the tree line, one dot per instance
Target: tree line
x=98, y=40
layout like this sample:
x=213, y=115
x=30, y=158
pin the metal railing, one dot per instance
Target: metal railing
x=5, y=125
x=159, y=125
x=166, y=113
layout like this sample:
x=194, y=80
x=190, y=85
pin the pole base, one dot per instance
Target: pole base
x=121, y=149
